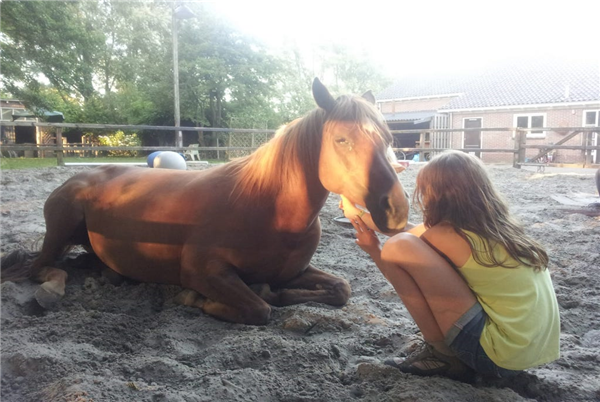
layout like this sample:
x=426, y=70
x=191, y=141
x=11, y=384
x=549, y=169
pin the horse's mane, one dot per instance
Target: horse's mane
x=296, y=147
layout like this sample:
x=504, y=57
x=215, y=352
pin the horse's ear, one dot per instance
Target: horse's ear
x=369, y=97
x=322, y=96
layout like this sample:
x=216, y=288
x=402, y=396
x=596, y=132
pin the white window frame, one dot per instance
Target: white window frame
x=529, y=116
x=12, y=111
x=596, y=136
x=585, y=112
x=5, y=109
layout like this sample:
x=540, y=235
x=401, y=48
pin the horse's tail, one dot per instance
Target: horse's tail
x=17, y=266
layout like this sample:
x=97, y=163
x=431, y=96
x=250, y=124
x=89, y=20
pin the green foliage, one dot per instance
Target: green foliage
x=120, y=139
x=56, y=40
x=349, y=72
x=110, y=61
x=81, y=51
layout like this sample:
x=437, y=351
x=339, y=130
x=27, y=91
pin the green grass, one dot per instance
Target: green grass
x=32, y=163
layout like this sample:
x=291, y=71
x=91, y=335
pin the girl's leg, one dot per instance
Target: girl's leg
x=435, y=295
x=415, y=302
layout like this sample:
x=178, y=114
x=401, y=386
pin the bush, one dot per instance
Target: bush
x=120, y=139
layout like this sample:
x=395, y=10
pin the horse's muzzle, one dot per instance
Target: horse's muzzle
x=390, y=212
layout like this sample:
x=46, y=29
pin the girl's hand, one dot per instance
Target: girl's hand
x=350, y=211
x=366, y=237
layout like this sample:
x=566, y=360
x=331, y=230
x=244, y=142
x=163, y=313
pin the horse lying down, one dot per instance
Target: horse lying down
x=220, y=232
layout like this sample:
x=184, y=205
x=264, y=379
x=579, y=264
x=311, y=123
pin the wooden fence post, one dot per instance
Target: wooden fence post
x=519, y=155
x=59, y=147
x=588, y=148
x=597, y=149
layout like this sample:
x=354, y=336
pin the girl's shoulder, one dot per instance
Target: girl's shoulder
x=446, y=240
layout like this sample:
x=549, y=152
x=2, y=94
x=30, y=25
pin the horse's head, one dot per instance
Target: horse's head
x=354, y=159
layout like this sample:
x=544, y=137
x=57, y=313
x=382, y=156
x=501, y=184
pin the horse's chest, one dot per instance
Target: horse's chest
x=278, y=258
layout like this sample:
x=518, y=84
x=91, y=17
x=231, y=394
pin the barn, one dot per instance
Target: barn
x=15, y=110
x=538, y=93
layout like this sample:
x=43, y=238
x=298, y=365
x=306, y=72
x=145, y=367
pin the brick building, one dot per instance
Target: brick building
x=8, y=135
x=538, y=93
x=14, y=110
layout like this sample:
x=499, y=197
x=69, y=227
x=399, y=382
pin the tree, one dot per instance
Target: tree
x=231, y=80
x=223, y=73
x=81, y=50
x=349, y=72
x=109, y=61
x=53, y=41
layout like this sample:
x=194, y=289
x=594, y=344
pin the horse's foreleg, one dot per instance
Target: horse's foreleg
x=227, y=296
x=313, y=285
x=64, y=220
x=53, y=287
x=53, y=279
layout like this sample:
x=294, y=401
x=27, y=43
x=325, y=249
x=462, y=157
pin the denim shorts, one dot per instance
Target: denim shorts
x=463, y=339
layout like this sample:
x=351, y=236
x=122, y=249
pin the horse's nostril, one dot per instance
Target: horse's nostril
x=384, y=202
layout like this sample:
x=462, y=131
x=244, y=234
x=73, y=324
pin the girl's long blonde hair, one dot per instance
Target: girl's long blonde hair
x=454, y=187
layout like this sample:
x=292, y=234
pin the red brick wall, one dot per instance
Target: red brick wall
x=566, y=117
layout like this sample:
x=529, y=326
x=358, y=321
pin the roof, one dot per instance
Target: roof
x=49, y=116
x=515, y=83
x=12, y=103
x=416, y=117
x=417, y=86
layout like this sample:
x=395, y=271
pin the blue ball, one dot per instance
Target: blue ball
x=170, y=160
x=151, y=157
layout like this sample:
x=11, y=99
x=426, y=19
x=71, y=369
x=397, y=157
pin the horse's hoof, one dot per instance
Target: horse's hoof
x=190, y=298
x=263, y=290
x=47, y=297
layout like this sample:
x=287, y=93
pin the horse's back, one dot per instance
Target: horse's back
x=114, y=186
x=75, y=187
x=103, y=176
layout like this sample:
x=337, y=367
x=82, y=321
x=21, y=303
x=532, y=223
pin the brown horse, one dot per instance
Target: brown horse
x=240, y=235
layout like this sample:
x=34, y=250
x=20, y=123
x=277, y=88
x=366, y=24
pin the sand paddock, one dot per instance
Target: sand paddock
x=132, y=343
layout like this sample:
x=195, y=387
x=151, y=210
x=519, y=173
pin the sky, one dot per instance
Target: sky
x=406, y=37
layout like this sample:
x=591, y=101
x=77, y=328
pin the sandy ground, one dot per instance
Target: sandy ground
x=132, y=343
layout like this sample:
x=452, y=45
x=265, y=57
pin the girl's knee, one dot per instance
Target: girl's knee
x=396, y=250
x=399, y=244
x=406, y=251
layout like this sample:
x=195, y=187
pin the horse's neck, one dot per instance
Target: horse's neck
x=291, y=178
x=298, y=204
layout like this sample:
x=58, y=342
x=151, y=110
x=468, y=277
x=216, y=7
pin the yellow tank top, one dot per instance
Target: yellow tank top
x=523, y=328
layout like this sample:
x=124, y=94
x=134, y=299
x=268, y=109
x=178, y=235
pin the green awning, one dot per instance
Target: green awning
x=50, y=117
